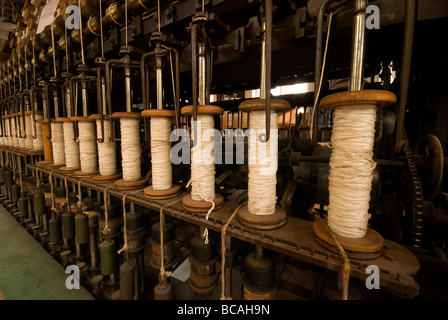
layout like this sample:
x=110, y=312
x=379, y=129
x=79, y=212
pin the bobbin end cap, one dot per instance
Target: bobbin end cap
x=63, y=119
x=368, y=247
x=81, y=119
x=379, y=98
x=128, y=115
x=98, y=117
x=158, y=113
x=277, y=105
x=203, y=110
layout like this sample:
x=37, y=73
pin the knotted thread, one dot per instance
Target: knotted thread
x=130, y=149
x=263, y=163
x=160, y=153
x=352, y=165
x=38, y=143
x=57, y=139
x=202, y=165
x=87, y=146
x=72, y=159
x=106, y=151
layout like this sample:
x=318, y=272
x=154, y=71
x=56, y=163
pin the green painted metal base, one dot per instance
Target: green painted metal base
x=28, y=271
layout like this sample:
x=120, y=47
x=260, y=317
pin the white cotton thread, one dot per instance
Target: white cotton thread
x=8, y=132
x=106, y=151
x=87, y=146
x=38, y=143
x=352, y=165
x=160, y=153
x=57, y=140
x=202, y=163
x=22, y=140
x=72, y=159
x=15, y=136
x=263, y=164
x=131, y=148
x=29, y=133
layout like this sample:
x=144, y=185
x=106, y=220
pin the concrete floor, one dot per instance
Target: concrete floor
x=28, y=271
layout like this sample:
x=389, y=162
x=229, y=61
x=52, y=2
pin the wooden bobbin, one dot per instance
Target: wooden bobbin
x=371, y=245
x=48, y=147
x=102, y=179
x=251, y=219
x=150, y=192
x=65, y=168
x=81, y=173
x=122, y=184
x=188, y=202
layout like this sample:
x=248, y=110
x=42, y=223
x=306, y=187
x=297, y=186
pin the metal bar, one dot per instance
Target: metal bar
x=411, y=9
x=194, y=76
x=268, y=61
x=358, y=46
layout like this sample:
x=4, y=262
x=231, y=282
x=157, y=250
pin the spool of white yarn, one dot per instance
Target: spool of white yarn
x=352, y=166
x=160, y=153
x=22, y=140
x=15, y=132
x=8, y=138
x=130, y=148
x=71, y=146
x=106, y=151
x=29, y=133
x=202, y=164
x=57, y=139
x=10, y=133
x=38, y=143
x=263, y=164
x=87, y=146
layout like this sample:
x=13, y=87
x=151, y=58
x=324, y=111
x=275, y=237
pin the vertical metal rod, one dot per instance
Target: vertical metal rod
x=318, y=61
x=84, y=99
x=202, y=74
x=159, y=83
x=56, y=102
x=127, y=73
x=194, y=75
x=268, y=49
x=411, y=9
x=358, y=46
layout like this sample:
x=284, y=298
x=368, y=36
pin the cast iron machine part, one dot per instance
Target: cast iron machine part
x=132, y=270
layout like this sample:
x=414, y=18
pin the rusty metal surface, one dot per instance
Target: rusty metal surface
x=295, y=238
